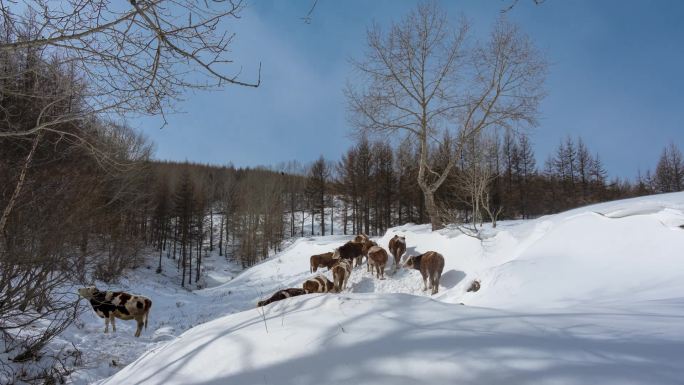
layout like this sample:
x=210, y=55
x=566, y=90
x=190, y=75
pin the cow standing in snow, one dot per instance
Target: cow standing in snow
x=341, y=272
x=397, y=246
x=115, y=304
x=281, y=295
x=367, y=244
x=318, y=284
x=430, y=265
x=350, y=251
x=361, y=238
x=321, y=260
x=377, y=259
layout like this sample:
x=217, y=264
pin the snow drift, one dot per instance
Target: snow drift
x=592, y=295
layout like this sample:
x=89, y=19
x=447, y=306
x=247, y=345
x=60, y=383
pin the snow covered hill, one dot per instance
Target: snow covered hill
x=592, y=295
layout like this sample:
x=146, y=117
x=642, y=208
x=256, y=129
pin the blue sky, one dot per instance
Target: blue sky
x=616, y=78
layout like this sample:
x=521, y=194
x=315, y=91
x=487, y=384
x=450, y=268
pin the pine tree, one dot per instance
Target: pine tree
x=526, y=168
x=317, y=188
x=669, y=174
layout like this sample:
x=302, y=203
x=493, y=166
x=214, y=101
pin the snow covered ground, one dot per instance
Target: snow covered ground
x=592, y=295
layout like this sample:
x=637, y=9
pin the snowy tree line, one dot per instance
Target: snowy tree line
x=372, y=187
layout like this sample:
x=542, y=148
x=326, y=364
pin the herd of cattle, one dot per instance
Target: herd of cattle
x=344, y=258
x=110, y=305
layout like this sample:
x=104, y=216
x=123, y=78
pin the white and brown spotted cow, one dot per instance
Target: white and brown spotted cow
x=397, y=246
x=430, y=265
x=377, y=259
x=341, y=272
x=318, y=284
x=115, y=304
x=367, y=244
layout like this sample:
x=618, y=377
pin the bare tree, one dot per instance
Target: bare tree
x=515, y=2
x=317, y=189
x=421, y=78
x=669, y=173
x=475, y=179
x=126, y=59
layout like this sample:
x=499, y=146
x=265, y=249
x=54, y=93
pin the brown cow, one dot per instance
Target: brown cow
x=430, y=265
x=397, y=246
x=367, y=244
x=322, y=260
x=361, y=238
x=281, y=295
x=115, y=304
x=350, y=251
x=318, y=284
x=377, y=258
x=341, y=272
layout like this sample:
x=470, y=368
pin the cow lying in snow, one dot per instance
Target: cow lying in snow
x=430, y=265
x=341, y=272
x=377, y=259
x=115, y=304
x=281, y=295
x=318, y=284
x=397, y=246
x=322, y=260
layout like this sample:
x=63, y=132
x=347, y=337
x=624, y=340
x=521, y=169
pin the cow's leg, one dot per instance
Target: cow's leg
x=106, y=324
x=138, y=330
x=425, y=284
x=112, y=320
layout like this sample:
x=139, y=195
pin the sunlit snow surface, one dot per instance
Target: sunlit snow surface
x=590, y=296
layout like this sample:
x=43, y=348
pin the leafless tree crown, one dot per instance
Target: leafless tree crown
x=423, y=78
x=134, y=56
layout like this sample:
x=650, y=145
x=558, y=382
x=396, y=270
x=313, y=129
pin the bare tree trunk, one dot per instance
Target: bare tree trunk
x=221, y=237
x=211, y=228
x=190, y=263
x=20, y=183
x=175, y=237
x=432, y=210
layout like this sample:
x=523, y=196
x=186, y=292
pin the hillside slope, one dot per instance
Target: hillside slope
x=590, y=295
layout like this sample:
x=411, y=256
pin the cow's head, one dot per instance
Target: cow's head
x=361, y=238
x=88, y=292
x=367, y=245
x=336, y=253
x=412, y=262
